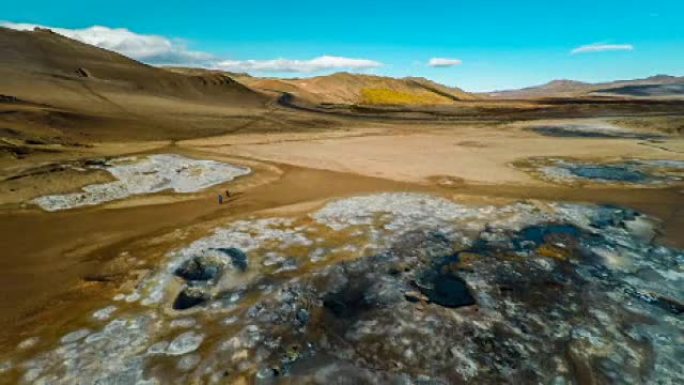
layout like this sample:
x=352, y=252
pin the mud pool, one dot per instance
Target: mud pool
x=598, y=132
x=145, y=175
x=394, y=288
x=629, y=172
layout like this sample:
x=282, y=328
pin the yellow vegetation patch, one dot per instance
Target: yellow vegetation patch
x=392, y=97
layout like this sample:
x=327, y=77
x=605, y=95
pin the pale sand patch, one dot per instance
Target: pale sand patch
x=477, y=155
x=279, y=137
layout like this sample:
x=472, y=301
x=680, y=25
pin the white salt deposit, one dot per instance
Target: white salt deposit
x=119, y=351
x=183, y=323
x=75, y=336
x=28, y=343
x=665, y=163
x=399, y=209
x=158, y=347
x=185, y=343
x=146, y=175
x=104, y=313
x=606, y=129
x=188, y=362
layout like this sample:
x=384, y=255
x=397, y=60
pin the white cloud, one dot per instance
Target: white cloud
x=154, y=49
x=147, y=48
x=600, y=47
x=444, y=62
x=320, y=63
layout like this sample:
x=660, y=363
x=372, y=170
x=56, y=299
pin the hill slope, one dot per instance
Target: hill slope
x=78, y=89
x=49, y=57
x=346, y=88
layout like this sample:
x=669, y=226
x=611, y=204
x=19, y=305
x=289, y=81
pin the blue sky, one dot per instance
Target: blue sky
x=493, y=44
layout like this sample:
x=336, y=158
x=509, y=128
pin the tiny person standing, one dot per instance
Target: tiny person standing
x=220, y=197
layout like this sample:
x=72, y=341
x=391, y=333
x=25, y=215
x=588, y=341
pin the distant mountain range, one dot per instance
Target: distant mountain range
x=46, y=68
x=658, y=86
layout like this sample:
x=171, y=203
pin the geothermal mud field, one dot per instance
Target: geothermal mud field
x=644, y=173
x=377, y=288
x=395, y=282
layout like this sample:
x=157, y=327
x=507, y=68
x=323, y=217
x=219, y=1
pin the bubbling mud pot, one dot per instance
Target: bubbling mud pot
x=393, y=288
x=646, y=173
x=145, y=175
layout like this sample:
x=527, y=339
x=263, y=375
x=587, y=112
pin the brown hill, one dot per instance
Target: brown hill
x=655, y=86
x=346, y=88
x=81, y=90
x=51, y=58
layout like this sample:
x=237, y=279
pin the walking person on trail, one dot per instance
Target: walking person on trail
x=220, y=198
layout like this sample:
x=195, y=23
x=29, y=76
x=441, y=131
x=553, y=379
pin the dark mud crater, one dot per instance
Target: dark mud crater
x=591, y=132
x=359, y=312
x=627, y=172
